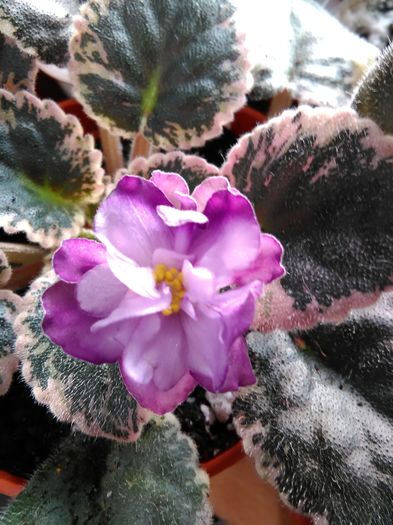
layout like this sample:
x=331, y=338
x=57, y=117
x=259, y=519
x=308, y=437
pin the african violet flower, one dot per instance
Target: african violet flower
x=170, y=289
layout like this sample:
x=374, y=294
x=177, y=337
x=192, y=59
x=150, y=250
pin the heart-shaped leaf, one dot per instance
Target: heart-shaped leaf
x=311, y=55
x=18, y=70
x=10, y=306
x=94, y=482
x=192, y=168
x=91, y=397
x=319, y=423
x=49, y=171
x=41, y=28
x=173, y=70
x=321, y=181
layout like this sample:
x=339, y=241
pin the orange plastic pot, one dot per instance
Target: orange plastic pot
x=11, y=485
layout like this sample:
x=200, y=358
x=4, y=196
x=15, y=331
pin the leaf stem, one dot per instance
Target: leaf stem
x=22, y=253
x=141, y=147
x=279, y=102
x=112, y=150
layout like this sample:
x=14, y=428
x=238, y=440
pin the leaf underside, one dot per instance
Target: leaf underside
x=175, y=69
x=91, y=482
x=93, y=398
x=321, y=182
x=319, y=423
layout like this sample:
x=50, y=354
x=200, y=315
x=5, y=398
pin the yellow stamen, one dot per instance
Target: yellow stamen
x=174, y=279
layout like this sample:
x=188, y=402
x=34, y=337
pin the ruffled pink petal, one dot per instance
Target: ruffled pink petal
x=68, y=326
x=75, y=257
x=133, y=306
x=128, y=220
x=230, y=241
x=175, y=189
x=99, y=291
x=268, y=265
x=136, y=278
x=153, y=365
x=199, y=283
x=211, y=336
x=240, y=372
x=207, y=349
x=208, y=187
x=174, y=217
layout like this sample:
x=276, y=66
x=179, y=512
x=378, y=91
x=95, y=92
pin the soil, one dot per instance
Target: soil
x=29, y=432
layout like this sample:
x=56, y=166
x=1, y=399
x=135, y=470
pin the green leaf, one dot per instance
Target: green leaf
x=49, y=170
x=373, y=97
x=319, y=422
x=10, y=306
x=173, y=70
x=299, y=47
x=192, y=168
x=17, y=69
x=156, y=480
x=321, y=182
x=41, y=28
x=93, y=398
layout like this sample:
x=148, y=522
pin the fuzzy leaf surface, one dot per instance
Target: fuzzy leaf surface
x=10, y=305
x=49, y=171
x=373, y=97
x=319, y=423
x=321, y=181
x=192, y=168
x=91, y=482
x=92, y=398
x=18, y=70
x=175, y=69
x=41, y=28
x=302, y=49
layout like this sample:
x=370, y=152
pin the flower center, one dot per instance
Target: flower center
x=174, y=279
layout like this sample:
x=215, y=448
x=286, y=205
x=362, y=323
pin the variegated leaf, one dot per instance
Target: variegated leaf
x=156, y=480
x=10, y=305
x=371, y=19
x=321, y=181
x=49, y=170
x=299, y=47
x=192, y=168
x=319, y=423
x=17, y=69
x=93, y=398
x=42, y=28
x=5, y=269
x=173, y=70
x=373, y=96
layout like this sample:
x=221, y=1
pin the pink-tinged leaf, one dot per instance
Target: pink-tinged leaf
x=18, y=70
x=192, y=168
x=321, y=182
x=92, y=398
x=175, y=71
x=50, y=170
x=10, y=306
x=319, y=422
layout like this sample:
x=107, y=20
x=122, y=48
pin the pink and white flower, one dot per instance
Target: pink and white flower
x=169, y=290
